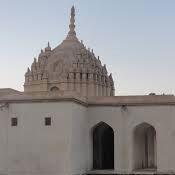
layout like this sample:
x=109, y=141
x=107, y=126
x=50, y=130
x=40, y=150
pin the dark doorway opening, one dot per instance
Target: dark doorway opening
x=103, y=147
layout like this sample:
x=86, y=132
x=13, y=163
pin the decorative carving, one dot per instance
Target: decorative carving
x=70, y=66
x=58, y=67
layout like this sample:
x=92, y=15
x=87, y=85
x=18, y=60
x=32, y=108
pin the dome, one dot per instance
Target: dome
x=69, y=68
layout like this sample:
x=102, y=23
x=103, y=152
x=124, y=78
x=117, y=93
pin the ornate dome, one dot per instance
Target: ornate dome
x=70, y=67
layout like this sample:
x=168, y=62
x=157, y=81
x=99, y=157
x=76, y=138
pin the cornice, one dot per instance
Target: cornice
x=122, y=101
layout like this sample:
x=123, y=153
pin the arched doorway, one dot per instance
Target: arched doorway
x=145, y=148
x=103, y=146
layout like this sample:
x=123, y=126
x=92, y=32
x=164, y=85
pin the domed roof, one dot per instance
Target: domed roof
x=68, y=63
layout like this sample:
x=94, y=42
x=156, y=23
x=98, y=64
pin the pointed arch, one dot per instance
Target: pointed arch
x=103, y=146
x=101, y=123
x=145, y=146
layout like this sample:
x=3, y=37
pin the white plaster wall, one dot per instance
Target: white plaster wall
x=160, y=118
x=113, y=117
x=79, y=140
x=65, y=147
x=3, y=140
x=123, y=122
x=34, y=148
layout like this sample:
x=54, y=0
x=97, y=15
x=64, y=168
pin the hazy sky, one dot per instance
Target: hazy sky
x=134, y=38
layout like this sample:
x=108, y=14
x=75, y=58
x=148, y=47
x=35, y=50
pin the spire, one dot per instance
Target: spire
x=72, y=33
x=48, y=48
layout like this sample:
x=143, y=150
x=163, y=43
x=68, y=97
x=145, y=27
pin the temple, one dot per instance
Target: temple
x=68, y=120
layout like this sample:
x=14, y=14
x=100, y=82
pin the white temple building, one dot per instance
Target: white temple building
x=68, y=120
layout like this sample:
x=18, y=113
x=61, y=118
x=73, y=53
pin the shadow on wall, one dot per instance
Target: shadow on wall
x=145, y=148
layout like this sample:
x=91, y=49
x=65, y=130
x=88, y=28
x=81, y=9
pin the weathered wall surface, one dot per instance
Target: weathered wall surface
x=79, y=140
x=32, y=147
x=3, y=140
x=123, y=120
x=65, y=147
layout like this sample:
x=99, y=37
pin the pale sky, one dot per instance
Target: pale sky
x=134, y=38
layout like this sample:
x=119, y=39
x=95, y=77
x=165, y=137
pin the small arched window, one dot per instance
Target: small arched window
x=54, y=89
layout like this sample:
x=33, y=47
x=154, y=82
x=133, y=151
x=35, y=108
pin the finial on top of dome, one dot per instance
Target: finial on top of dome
x=41, y=53
x=48, y=48
x=92, y=51
x=111, y=79
x=72, y=33
x=28, y=69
